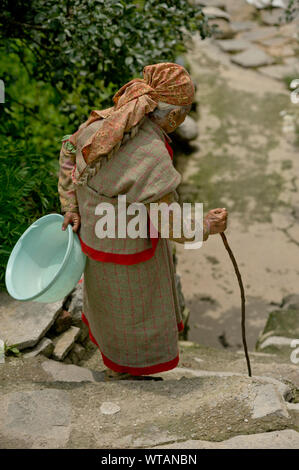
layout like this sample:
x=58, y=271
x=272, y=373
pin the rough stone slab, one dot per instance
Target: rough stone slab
x=282, y=388
x=83, y=333
x=65, y=342
x=291, y=301
x=188, y=130
x=268, y=402
x=257, y=354
x=25, y=323
x=35, y=419
x=109, y=408
x=76, y=306
x=238, y=26
x=45, y=347
x=273, y=42
x=233, y=44
x=214, y=12
x=293, y=406
x=277, y=341
x=59, y=372
x=259, y=33
x=79, y=351
x=252, y=57
x=62, y=322
x=275, y=16
x=211, y=3
x=280, y=71
x=286, y=439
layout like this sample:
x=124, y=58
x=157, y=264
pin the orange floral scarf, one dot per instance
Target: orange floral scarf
x=167, y=82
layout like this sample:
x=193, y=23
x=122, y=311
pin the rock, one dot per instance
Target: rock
x=275, y=41
x=214, y=12
x=291, y=301
x=272, y=17
x=293, y=406
x=59, y=372
x=25, y=323
x=283, y=389
x=83, y=333
x=256, y=354
x=76, y=305
x=283, y=322
x=35, y=419
x=268, y=402
x=238, y=26
x=188, y=130
x=65, y=342
x=259, y=33
x=286, y=439
x=76, y=354
x=108, y=408
x=63, y=321
x=229, y=45
x=252, y=57
x=79, y=351
x=279, y=72
x=67, y=360
x=45, y=347
x=277, y=343
x=224, y=30
x=210, y=3
x=267, y=3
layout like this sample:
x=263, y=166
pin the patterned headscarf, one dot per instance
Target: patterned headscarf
x=167, y=82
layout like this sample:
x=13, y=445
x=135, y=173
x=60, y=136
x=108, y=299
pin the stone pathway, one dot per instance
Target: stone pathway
x=245, y=159
x=207, y=402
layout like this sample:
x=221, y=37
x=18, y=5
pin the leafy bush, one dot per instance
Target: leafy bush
x=59, y=60
x=28, y=182
x=87, y=49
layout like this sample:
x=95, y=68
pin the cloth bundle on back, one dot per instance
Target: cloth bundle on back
x=130, y=296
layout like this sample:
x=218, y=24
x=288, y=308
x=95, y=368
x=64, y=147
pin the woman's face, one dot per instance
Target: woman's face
x=175, y=116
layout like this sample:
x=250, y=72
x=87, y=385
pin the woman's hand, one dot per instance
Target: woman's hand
x=71, y=218
x=217, y=219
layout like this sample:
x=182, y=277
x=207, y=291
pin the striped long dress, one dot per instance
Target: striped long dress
x=130, y=300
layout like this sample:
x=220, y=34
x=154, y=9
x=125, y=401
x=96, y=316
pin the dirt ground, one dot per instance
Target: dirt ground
x=245, y=159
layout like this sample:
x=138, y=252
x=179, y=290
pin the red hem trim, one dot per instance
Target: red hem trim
x=126, y=259
x=132, y=370
x=169, y=148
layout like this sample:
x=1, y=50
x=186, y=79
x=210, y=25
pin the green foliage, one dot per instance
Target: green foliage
x=291, y=10
x=88, y=49
x=11, y=350
x=28, y=182
x=58, y=61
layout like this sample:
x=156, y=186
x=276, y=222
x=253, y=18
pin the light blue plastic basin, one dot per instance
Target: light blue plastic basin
x=46, y=263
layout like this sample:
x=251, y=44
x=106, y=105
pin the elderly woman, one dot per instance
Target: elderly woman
x=130, y=301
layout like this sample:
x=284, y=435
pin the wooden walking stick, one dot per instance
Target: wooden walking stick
x=224, y=239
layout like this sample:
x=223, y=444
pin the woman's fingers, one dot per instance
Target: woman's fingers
x=66, y=221
x=218, y=219
x=73, y=218
x=76, y=221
